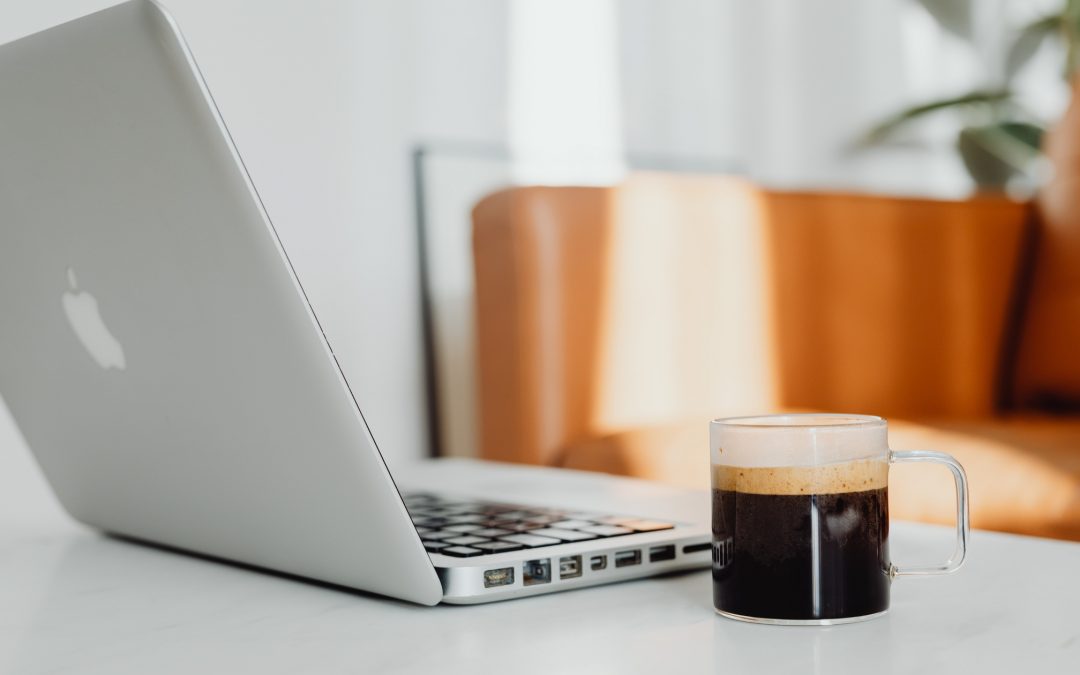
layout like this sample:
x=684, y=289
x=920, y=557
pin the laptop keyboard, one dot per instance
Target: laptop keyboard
x=466, y=528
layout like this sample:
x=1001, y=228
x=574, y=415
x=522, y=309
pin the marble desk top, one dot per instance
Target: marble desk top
x=72, y=600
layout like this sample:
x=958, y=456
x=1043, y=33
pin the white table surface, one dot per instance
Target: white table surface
x=75, y=601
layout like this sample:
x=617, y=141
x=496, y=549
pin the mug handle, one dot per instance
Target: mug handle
x=963, y=525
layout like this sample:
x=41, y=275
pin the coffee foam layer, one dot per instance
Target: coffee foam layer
x=798, y=440
x=803, y=480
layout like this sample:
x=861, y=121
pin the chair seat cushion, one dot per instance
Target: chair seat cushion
x=1023, y=471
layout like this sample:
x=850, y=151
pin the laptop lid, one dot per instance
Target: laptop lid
x=156, y=350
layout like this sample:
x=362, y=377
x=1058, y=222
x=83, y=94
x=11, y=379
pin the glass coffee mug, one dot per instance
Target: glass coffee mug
x=800, y=517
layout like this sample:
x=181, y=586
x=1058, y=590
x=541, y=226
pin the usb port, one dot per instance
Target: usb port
x=627, y=558
x=598, y=562
x=696, y=548
x=504, y=576
x=570, y=567
x=661, y=553
x=536, y=572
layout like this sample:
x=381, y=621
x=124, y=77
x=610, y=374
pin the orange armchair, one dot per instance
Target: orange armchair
x=613, y=322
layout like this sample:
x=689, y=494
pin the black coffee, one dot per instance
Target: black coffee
x=821, y=555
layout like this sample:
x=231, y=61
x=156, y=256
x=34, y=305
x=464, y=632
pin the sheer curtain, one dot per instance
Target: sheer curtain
x=779, y=88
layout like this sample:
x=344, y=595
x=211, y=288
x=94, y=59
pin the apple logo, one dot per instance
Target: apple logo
x=82, y=313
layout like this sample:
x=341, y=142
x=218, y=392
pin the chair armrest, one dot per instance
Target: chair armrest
x=677, y=453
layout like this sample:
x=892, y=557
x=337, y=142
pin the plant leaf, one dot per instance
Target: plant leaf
x=902, y=118
x=1028, y=41
x=984, y=167
x=1029, y=134
x=952, y=15
x=1015, y=144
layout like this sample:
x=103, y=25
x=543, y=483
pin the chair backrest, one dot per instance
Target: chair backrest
x=674, y=296
x=1048, y=368
x=895, y=306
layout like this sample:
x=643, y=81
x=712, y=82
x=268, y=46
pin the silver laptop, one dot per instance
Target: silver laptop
x=161, y=360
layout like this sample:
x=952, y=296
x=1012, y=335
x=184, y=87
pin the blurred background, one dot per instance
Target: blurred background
x=570, y=233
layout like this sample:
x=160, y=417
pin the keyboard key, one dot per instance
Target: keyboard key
x=516, y=527
x=433, y=546
x=465, y=518
x=461, y=551
x=514, y=515
x=547, y=519
x=607, y=530
x=424, y=530
x=490, y=532
x=424, y=521
x=647, y=525
x=467, y=540
x=467, y=527
x=499, y=546
x=492, y=511
x=427, y=511
x=564, y=535
x=438, y=534
x=530, y=540
x=572, y=524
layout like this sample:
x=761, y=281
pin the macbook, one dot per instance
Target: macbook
x=164, y=365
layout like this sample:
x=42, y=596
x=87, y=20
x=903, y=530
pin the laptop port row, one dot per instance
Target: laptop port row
x=572, y=566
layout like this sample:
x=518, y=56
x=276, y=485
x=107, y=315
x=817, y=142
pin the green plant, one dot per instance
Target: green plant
x=998, y=140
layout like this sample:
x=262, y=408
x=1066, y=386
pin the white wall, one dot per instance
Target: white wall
x=325, y=99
